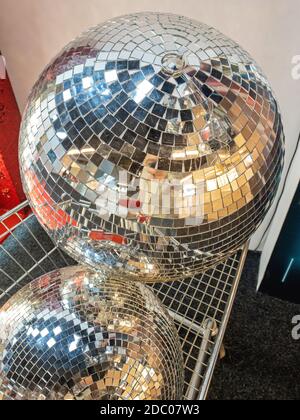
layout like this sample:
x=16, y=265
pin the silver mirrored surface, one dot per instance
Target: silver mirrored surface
x=151, y=145
x=73, y=334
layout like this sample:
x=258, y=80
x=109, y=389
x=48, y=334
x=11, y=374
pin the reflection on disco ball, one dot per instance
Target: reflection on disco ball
x=74, y=334
x=153, y=145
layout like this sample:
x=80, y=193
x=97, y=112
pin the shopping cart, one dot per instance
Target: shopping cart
x=200, y=306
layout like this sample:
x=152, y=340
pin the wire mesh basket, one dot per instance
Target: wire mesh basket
x=200, y=306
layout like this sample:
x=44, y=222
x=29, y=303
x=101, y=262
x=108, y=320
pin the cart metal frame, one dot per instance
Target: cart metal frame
x=200, y=306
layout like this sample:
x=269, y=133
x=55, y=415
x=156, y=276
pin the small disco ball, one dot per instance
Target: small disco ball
x=74, y=334
x=151, y=145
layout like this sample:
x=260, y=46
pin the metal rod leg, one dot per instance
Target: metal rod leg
x=209, y=326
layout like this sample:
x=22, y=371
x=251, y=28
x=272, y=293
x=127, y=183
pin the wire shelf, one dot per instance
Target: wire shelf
x=200, y=306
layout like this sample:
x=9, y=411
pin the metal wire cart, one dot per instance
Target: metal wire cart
x=200, y=306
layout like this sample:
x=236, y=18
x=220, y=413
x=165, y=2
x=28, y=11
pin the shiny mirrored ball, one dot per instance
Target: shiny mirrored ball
x=74, y=334
x=152, y=145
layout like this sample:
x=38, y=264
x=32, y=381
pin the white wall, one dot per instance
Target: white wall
x=33, y=31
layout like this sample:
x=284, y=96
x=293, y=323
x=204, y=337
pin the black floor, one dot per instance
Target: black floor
x=262, y=360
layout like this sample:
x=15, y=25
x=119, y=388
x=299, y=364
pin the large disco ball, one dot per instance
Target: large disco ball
x=74, y=334
x=153, y=145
